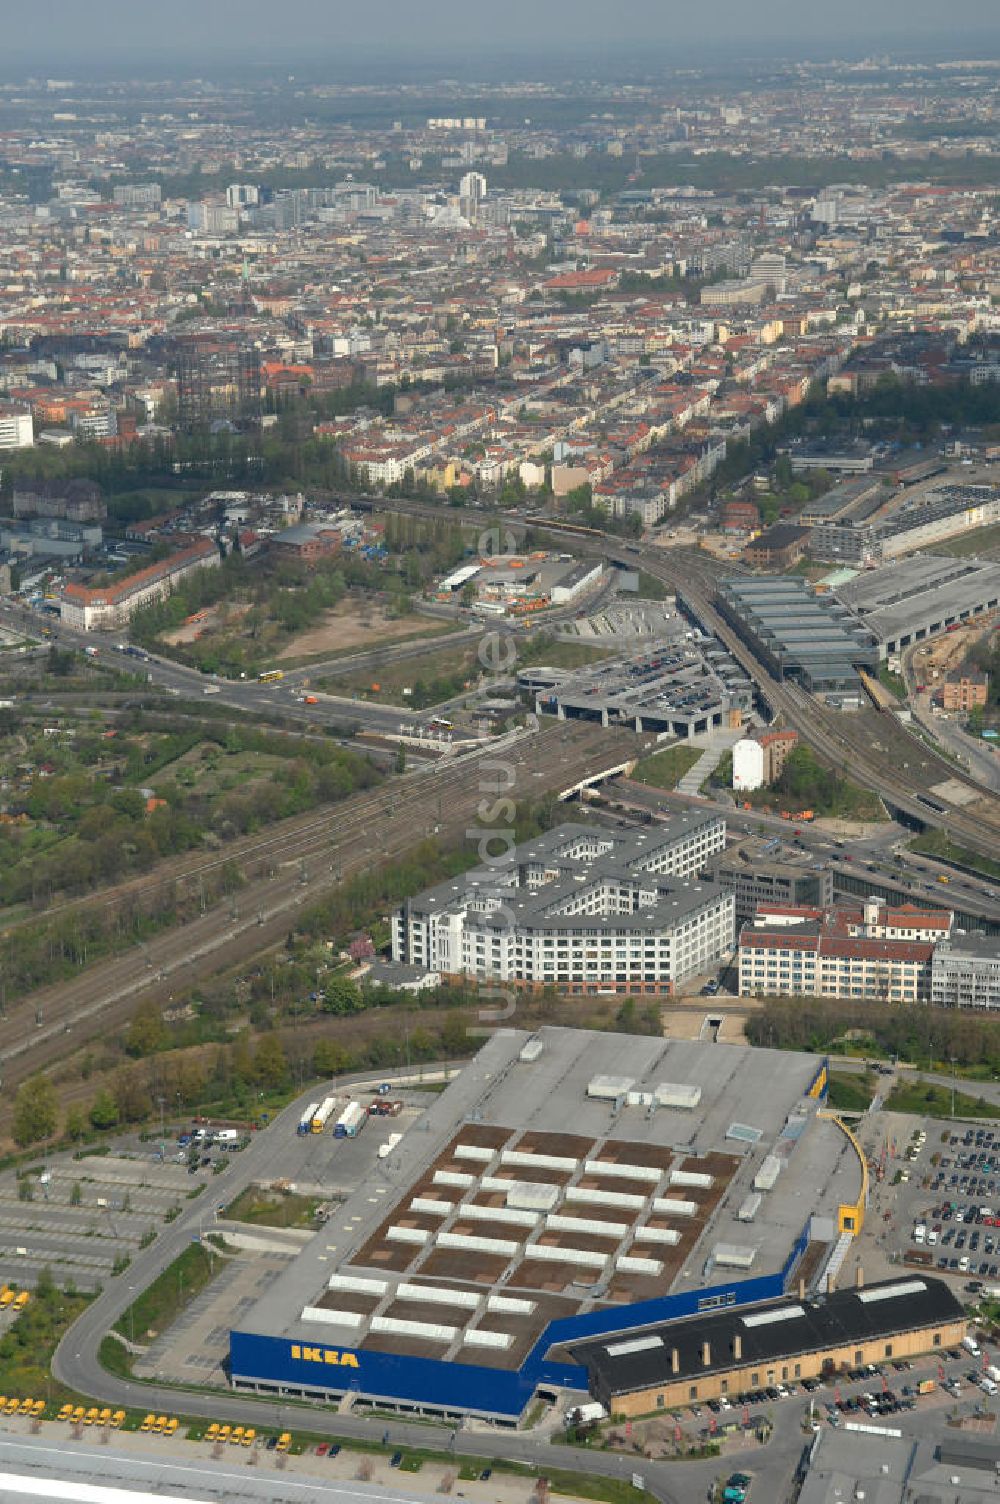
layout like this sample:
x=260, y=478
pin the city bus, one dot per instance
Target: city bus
x=271, y=676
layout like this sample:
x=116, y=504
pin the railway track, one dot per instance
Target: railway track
x=841, y=740
x=42, y=1025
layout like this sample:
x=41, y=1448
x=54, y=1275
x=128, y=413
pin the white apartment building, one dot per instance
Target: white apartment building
x=580, y=910
x=965, y=972
x=16, y=428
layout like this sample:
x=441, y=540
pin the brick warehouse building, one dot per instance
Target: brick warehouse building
x=732, y=1351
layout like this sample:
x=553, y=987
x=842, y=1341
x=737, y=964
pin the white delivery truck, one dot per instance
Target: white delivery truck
x=351, y=1121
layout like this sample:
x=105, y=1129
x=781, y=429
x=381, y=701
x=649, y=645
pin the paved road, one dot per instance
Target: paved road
x=247, y=696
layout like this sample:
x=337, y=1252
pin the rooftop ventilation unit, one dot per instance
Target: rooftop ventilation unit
x=693, y=1178
x=749, y=1207
x=666, y=1206
x=331, y=1318
x=734, y=1255
x=358, y=1284
x=530, y=1196
x=766, y=1177
x=666, y=1235
x=609, y=1088
x=677, y=1094
x=615, y=1171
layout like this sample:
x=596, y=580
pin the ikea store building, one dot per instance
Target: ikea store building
x=566, y=1186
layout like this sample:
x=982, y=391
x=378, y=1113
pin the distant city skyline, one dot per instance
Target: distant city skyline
x=111, y=32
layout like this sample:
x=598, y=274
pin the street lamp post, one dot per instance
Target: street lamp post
x=953, y=1086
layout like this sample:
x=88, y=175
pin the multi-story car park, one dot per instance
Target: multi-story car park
x=797, y=634
x=580, y=909
x=965, y=972
x=917, y=598
x=681, y=687
x=567, y=1186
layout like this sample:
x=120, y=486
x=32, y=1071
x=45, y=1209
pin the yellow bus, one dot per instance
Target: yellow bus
x=271, y=676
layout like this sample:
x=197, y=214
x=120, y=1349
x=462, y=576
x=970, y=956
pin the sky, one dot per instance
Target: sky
x=50, y=32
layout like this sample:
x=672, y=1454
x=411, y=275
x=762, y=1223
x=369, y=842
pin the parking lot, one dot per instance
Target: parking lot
x=81, y=1217
x=194, y=1348
x=959, y=1231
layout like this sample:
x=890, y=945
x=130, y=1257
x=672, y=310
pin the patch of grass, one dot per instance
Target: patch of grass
x=925, y=1100
x=650, y=588
x=592, y=1486
x=664, y=769
x=894, y=683
x=936, y=843
x=411, y=1464
x=983, y=540
x=115, y=1358
x=265, y=1209
x=26, y=1349
x=851, y=1093
x=160, y=1305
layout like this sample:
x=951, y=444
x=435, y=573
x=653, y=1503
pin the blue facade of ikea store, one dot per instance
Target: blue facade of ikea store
x=467, y=1387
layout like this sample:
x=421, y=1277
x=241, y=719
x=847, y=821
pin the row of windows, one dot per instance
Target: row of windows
x=787, y=1372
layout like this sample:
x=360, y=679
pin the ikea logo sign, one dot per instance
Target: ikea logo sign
x=324, y=1355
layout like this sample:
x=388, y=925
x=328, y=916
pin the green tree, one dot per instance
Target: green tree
x=103, y=1112
x=454, y=1037
x=36, y=1111
x=146, y=1033
x=269, y=1062
x=330, y=1059
x=401, y=758
x=75, y=1124
x=131, y=1095
x=341, y=996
